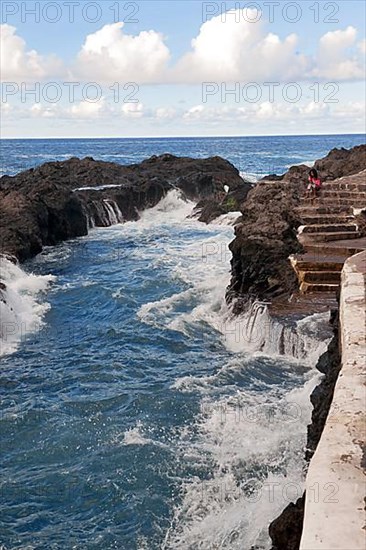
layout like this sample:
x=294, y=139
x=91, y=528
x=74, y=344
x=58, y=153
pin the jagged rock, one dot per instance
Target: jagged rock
x=264, y=240
x=342, y=162
x=210, y=209
x=286, y=530
x=338, y=163
x=329, y=364
x=60, y=200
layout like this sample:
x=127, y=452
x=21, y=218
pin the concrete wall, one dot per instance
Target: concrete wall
x=335, y=517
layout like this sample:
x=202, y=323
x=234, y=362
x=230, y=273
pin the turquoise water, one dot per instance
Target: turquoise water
x=134, y=414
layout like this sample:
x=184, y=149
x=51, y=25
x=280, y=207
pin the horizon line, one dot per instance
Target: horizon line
x=182, y=137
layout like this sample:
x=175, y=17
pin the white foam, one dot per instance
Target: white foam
x=231, y=218
x=251, y=176
x=256, y=331
x=252, y=445
x=21, y=310
x=114, y=214
x=204, y=267
x=309, y=163
x=98, y=187
x=135, y=436
x=173, y=208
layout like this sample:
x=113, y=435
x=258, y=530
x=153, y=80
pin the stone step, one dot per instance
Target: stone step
x=322, y=209
x=332, y=202
x=318, y=287
x=318, y=262
x=321, y=249
x=341, y=186
x=300, y=305
x=322, y=277
x=327, y=237
x=324, y=219
x=324, y=193
x=323, y=228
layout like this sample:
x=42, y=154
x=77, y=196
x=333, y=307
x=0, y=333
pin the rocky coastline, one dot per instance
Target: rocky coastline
x=62, y=200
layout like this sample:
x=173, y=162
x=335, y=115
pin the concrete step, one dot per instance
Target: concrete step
x=328, y=237
x=340, y=228
x=318, y=287
x=322, y=277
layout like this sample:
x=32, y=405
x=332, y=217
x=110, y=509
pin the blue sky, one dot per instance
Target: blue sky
x=231, y=50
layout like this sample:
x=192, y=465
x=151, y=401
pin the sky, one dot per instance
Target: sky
x=182, y=68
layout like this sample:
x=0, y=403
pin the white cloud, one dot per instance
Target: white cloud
x=235, y=50
x=262, y=112
x=339, y=56
x=40, y=111
x=133, y=110
x=109, y=54
x=5, y=108
x=18, y=64
x=355, y=110
x=195, y=112
x=314, y=109
x=224, y=51
x=165, y=113
x=239, y=51
x=87, y=109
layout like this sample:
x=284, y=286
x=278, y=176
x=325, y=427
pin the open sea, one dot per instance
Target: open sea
x=136, y=413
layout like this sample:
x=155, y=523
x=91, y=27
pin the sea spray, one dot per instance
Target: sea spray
x=249, y=447
x=21, y=306
x=257, y=331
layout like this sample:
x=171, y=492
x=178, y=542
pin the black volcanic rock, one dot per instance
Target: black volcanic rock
x=342, y=162
x=286, y=530
x=233, y=201
x=330, y=365
x=60, y=200
x=264, y=240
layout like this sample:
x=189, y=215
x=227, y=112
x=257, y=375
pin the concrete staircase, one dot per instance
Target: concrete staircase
x=329, y=234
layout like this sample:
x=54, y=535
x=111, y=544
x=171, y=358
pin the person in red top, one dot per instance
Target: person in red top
x=314, y=185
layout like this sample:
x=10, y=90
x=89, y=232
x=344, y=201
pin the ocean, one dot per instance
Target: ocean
x=136, y=414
